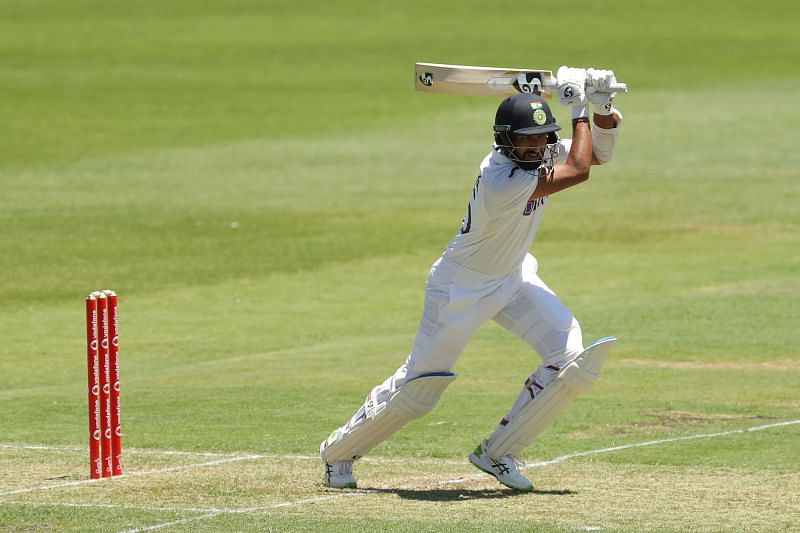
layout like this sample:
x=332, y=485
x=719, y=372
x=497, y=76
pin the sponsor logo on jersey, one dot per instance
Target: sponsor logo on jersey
x=533, y=205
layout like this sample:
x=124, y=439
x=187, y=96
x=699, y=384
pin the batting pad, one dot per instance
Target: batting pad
x=574, y=379
x=414, y=399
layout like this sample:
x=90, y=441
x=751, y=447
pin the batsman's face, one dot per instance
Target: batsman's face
x=530, y=147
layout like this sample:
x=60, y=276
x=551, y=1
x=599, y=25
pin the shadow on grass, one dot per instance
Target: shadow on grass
x=453, y=495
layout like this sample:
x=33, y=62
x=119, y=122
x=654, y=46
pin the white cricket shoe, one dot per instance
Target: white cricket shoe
x=505, y=469
x=339, y=475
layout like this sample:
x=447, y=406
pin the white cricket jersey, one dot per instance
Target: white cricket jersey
x=501, y=222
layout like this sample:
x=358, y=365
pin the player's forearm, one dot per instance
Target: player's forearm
x=579, y=159
x=575, y=169
x=606, y=122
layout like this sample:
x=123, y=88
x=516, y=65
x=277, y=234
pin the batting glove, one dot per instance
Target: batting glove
x=598, y=83
x=571, y=90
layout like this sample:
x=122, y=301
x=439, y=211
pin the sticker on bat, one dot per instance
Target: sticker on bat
x=529, y=83
x=426, y=79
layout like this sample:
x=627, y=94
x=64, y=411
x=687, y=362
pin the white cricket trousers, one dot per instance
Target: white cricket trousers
x=458, y=301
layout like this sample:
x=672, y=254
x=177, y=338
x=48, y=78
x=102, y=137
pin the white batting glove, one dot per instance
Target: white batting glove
x=571, y=90
x=598, y=83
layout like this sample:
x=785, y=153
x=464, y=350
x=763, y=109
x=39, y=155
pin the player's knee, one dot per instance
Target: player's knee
x=574, y=341
x=563, y=344
x=418, y=396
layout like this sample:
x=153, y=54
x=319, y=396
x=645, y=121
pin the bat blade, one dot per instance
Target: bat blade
x=481, y=81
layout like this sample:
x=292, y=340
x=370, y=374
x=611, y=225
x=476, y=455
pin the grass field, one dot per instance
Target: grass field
x=266, y=192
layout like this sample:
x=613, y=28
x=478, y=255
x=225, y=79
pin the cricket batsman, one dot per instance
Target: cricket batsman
x=486, y=272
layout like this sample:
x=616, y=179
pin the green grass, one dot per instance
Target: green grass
x=266, y=192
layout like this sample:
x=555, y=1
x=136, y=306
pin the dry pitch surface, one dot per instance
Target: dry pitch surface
x=177, y=491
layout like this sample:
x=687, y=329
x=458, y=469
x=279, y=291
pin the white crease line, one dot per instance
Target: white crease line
x=180, y=522
x=48, y=487
x=405, y=460
x=276, y=456
x=253, y=457
x=769, y=426
x=40, y=447
x=248, y=510
x=132, y=451
x=117, y=507
x=566, y=457
x=203, y=510
x=133, y=474
x=303, y=501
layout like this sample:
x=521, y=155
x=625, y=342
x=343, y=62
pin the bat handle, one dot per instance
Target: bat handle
x=619, y=88
x=616, y=88
x=552, y=83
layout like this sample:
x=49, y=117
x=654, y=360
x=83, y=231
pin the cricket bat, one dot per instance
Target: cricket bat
x=487, y=81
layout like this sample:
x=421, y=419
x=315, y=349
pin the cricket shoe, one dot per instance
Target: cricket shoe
x=339, y=475
x=505, y=469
